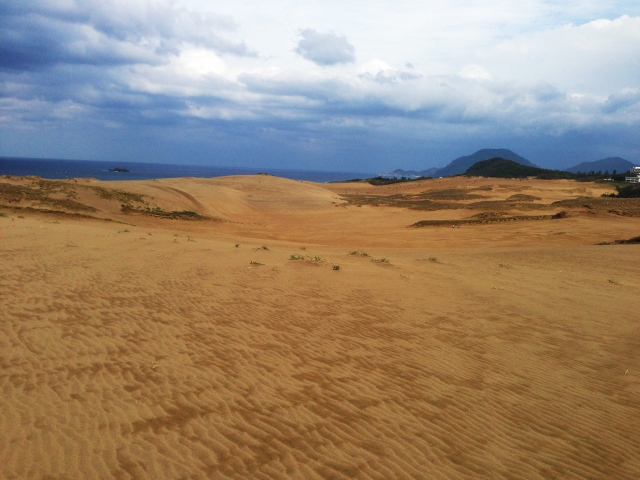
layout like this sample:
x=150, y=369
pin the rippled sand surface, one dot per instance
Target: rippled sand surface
x=158, y=348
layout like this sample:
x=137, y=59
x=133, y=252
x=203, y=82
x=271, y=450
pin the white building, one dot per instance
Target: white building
x=632, y=179
x=635, y=170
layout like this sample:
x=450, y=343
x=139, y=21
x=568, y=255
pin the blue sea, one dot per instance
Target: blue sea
x=60, y=169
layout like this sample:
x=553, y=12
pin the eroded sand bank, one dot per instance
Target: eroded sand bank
x=136, y=343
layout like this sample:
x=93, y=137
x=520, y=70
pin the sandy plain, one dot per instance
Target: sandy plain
x=140, y=341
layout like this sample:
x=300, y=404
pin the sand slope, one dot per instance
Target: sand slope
x=153, y=348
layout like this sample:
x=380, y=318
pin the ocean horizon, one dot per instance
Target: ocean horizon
x=51, y=168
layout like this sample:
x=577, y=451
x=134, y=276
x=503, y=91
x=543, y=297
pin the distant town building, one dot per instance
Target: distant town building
x=636, y=179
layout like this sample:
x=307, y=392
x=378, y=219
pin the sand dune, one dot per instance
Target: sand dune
x=136, y=345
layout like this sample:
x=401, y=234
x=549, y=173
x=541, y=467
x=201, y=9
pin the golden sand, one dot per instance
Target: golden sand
x=145, y=345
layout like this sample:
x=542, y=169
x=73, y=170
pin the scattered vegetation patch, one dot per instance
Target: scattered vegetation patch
x=451, y=194
x=629, y=191
x=521, y=197
x=160, y=213
x=119, y=195
x=414, y=202
x=308, y=258
x=627, y=207
x=489, y=217
x=515, y=188
x=2, y=214
x=123, y=231
x=184, y=214
x=359, y=254
x=381, y=260
x=441, y=200
x=253, y=262
x=630, y=241
x=352, y=180
x=432, y=259
x=501, y=205
x=377, y=181
x=335, y=267
x=40, y=195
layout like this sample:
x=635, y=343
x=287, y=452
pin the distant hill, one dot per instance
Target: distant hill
x=503, y=168
x=460, y=165
x=411, y=173
x=606, y=164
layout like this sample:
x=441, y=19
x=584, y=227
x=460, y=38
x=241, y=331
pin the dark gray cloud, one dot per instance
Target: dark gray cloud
x=40, y=34
x=325, y=48
x=620, y=101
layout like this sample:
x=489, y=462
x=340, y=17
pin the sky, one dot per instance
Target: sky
x=363, y=86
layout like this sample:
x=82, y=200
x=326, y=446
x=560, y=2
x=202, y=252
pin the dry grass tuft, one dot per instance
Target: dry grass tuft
x=308, y=258
x=381, y=260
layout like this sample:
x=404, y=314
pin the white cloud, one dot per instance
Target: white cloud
x=374, y=67
x=475, y=72
x=324, y=48
x=199, y=62
x=601, y=56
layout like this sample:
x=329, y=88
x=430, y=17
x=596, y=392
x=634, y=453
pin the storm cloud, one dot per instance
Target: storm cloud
x=40, y=34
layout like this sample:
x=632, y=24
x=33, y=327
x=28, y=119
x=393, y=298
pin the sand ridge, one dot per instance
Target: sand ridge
x=148, y=347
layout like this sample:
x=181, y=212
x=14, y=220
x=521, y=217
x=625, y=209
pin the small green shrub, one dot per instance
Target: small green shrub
x=307, y=258
x=433, y=259
x=336, y=267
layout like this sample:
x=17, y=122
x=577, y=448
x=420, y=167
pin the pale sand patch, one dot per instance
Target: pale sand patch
x=161, y=352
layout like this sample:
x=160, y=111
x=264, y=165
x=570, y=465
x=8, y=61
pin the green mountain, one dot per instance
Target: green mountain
x=460, y=165
x=503, y=168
